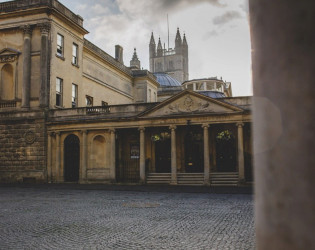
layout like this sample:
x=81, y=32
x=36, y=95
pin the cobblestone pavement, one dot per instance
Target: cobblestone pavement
x=34, y=218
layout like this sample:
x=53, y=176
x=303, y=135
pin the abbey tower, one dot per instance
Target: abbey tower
x=174, y=62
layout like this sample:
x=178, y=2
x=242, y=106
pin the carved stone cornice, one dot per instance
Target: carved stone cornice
x=44, y=28
x=8, y=55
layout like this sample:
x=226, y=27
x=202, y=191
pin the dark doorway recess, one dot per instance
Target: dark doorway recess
x=72, y=158
x=193, y=150
x=226, y=151
x=163, y=153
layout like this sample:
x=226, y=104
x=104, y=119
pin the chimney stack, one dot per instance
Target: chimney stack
x=119, y=53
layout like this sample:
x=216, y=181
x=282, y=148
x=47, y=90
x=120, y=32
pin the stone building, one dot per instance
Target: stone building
x=174, y=62
x=69, y=112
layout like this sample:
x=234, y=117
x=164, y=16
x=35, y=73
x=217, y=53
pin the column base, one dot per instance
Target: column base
x=206, y=183
x=173, y=183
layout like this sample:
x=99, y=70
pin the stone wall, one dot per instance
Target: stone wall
x=22, y=147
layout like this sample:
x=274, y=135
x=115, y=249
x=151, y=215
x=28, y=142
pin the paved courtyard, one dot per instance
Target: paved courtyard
x=72, y=218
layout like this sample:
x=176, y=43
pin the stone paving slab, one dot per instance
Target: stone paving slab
x=72, y=218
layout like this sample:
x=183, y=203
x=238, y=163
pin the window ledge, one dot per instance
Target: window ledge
x=60, y=57
x=75, y=65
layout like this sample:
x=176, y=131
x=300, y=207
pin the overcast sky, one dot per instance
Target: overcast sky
x=217, y=33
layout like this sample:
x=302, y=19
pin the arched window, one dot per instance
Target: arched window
x=7, y=83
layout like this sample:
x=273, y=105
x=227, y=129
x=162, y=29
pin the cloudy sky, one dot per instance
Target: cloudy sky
x=217, y=33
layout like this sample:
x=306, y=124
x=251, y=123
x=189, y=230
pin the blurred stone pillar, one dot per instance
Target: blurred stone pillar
x=240, y=152
x=283, y=39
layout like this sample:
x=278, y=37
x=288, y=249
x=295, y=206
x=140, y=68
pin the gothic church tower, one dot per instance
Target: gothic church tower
x=174, y=62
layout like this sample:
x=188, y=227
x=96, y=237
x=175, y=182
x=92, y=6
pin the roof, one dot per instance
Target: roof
x=166, y=80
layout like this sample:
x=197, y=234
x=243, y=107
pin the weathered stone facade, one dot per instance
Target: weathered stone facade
x=23, y=146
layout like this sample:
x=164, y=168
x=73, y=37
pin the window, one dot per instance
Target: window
x=60, y=42
x=149, y=96
x=170, y=65
x=59, y=82
x=104, y=103
x=199, y=86
x=89, y=101
x=74, y=95
x=75, y=54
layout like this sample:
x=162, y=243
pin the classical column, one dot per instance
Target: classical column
x=84, y=156
x=173, y=155
x=26, y=87
x=44, y=54
x=206, y=159
x=112, y=155
x=58, y=155
x=142, y=155
x=283, y=114
x=240, y=151
x=49, y=166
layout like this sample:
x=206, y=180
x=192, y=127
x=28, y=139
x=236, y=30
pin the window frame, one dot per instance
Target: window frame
x=59, y=92
x=87, y=97
x=60, y=46
x=74, y=98
x=75, y=58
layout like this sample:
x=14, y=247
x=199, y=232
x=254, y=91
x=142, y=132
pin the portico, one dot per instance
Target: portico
x=156, y=146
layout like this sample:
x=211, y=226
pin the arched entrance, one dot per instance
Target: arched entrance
x=71, y=158
x=226, y=151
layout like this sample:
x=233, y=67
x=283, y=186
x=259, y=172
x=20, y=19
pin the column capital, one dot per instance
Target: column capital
x=239, y=124
x=51, y=133
x=84, y=131
x=112, y=130
x=172, y=127
x=205, y=125
x=57, y=133
x=44, y=28
x=141, y=129
x=27, y=30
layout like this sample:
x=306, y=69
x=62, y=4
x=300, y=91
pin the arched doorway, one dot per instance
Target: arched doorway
x=226, y=151
x=71, y=158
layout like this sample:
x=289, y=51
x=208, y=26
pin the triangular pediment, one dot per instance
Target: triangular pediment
x=8, y=55
x=8, y=52
x=188, y=102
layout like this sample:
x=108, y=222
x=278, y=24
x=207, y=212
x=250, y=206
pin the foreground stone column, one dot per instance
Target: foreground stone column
x=206, y=160
x=58, y=155
x=84, y=156
x=44, y=54
x=283, y=38
x=142, y=155
x=240, y=152
x=113, y=155
x=26, y=81
x=173, y=156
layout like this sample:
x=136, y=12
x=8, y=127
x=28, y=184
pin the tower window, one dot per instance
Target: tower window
x=75, y=54
x=59, y=83
x=60, y=45
x=74, y=95
x=170, y=65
